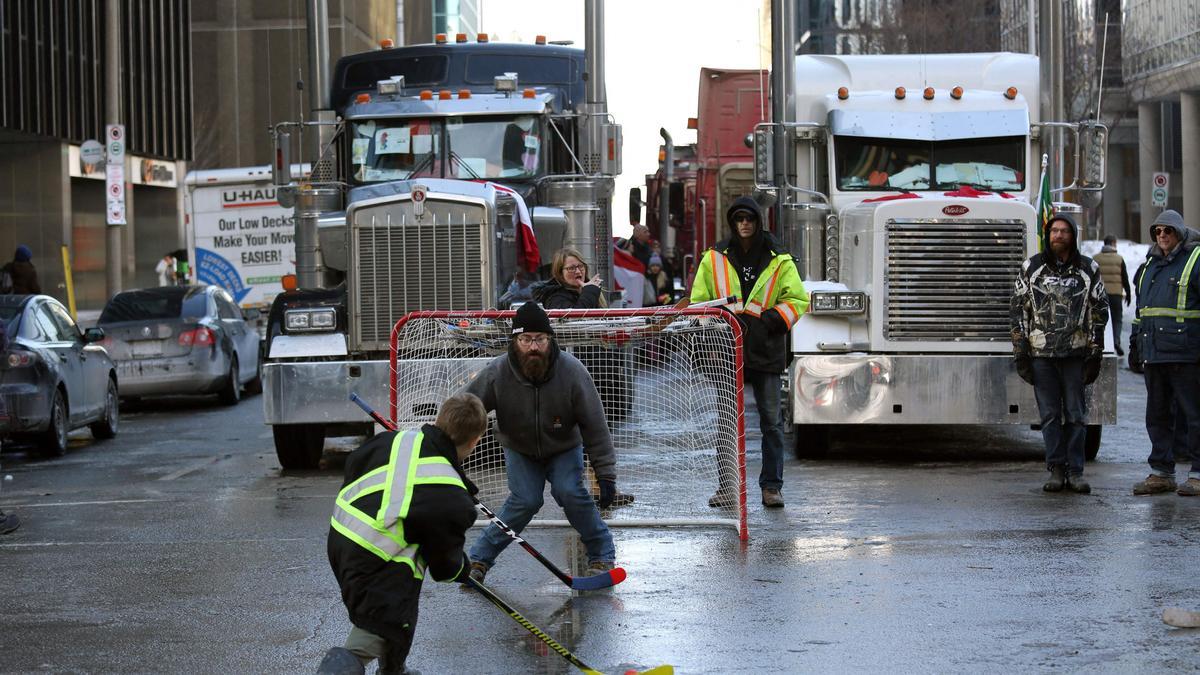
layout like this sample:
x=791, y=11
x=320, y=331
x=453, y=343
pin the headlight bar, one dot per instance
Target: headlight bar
x=310, y=320
x=838, y=302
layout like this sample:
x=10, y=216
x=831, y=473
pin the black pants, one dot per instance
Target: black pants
x=1167, y=384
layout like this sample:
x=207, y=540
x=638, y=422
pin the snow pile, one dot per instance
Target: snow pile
x=1134, y=255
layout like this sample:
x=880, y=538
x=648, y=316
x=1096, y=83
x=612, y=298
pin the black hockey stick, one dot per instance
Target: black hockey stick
x=541, y=635
x=592, y=583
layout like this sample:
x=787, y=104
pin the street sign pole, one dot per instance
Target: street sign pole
x=114, y=171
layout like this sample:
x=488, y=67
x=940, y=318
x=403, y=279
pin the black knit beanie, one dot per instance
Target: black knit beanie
x=531, y=318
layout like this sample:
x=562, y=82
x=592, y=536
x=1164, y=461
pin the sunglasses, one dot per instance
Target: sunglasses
x=744, y=218
x=1155, y=231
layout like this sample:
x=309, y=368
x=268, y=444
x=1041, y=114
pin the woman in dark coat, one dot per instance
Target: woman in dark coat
x=22, y=272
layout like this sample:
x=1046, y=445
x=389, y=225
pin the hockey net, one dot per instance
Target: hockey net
x=669, y=379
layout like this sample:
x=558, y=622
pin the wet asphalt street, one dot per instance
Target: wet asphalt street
x=180, y=546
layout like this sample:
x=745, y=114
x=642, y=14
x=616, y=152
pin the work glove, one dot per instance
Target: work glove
x=465, y=572
x=608, y=492
x=774, y=323
x=1024, y=365
x=1091, y=365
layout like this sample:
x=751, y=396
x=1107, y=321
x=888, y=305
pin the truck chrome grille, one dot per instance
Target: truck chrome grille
x=405, y=265
x=951, y=280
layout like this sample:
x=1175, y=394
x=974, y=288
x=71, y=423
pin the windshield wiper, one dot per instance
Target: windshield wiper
x=946, y=185
x=454, y=155
x=427, y=160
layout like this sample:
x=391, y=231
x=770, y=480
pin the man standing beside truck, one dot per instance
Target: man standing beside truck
x=756, y=268
x=1058, y=313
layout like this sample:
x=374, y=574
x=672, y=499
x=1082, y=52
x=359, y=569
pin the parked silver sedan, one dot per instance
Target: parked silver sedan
x=54, y=377
x=181, y=340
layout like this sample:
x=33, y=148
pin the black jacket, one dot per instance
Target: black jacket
x=382, y=596
x=553, y=295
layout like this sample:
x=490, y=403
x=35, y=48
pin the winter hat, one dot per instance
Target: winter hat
x=531, y=318
x=23, y=254
x=655, y=259
x=1170, y=218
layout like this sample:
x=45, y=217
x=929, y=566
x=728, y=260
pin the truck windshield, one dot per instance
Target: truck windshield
x=868, y=164
x=456, y=147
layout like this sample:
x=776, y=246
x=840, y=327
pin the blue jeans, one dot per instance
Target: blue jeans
x=767, y=388
x=1177, y=383
x=1058, y=386
x=526, y=482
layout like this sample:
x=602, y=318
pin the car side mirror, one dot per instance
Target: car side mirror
x=93, y=335
x=251, y=314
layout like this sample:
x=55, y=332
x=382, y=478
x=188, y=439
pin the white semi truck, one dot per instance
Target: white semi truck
x=909, y=199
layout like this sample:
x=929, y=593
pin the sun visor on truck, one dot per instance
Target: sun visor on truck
x=929, y=126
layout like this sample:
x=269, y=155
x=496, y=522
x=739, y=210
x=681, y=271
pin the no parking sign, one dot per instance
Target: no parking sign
x=1158, y=188
x=114, y=178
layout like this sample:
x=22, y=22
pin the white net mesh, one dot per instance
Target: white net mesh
x=670, y=383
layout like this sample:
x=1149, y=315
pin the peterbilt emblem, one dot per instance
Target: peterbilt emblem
x=955, y=210
x=418, y=199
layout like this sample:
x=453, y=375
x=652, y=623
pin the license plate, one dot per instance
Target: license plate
x=145, y=348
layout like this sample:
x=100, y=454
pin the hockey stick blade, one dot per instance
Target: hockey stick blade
x=597, y=581
x=1181, y=618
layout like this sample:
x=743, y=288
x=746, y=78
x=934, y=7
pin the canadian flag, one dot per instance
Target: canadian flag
x=527, y=247
x=629, y=274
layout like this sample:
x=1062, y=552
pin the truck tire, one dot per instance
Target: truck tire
x=299, y=446
x=1091, y=442
x=811, y=441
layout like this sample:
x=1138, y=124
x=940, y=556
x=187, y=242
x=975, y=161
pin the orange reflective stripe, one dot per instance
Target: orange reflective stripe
x=721, y=279
x=788, y=312
x=766, y=301
x=753, y=308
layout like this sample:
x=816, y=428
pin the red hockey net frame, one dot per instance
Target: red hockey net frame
x=673, y=450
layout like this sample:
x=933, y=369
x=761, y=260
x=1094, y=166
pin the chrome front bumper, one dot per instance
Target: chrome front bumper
x=927, y=389
x=318, y=392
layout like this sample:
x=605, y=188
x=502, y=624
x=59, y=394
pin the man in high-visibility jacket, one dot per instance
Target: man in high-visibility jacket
x=755, y=268
x=1168, y=312
x=403, y=511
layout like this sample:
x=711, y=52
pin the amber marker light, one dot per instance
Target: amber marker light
x=843, y=93
x=362, y=98
x=899, y=93
x=440, y=38
x=464, y=93
x=539, y=40
x=460, y=37
x=956, y=93
x=1010, y=93
x=482, y=37
x=444, y=95
x=528, y=93
x=289, y=282
x=693, y=123
x=386, y=43
x=427, y=95
x=928, y=93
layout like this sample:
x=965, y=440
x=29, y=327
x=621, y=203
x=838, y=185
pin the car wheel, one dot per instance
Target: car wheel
x=255, y=386
x=106, y=427
x=299, y=446
x=53, y=442
x=231, y=393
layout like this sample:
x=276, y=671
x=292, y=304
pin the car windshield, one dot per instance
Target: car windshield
x=457, y=147
x=154, y=304
x=873, y=164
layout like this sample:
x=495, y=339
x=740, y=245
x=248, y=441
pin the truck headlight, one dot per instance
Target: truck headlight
x=838, y=302
x=309, y=320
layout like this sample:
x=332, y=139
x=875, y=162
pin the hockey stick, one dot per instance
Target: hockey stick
x=541, y=635
x=592, y=583
x=1181, y=618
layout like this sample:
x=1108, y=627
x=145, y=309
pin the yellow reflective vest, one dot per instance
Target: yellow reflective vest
x=382, y=532
x=778, y=288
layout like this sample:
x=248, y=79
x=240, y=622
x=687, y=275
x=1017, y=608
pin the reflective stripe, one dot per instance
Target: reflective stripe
x=369, y=482
x=1181, y=303
x=1177, y=314
x=789, y=313
x=395, y=496
x=720, y=275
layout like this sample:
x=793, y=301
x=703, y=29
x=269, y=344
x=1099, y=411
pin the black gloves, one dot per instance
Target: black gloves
x=608, y=492
x=774, y=323
x=1023, y=361
x=1091, y=365
x=465, y=572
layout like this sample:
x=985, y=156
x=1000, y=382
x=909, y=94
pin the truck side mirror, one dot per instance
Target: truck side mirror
x=764, y=157
x=1093, y=148
x=675, y=203
x=635, y=204
x=281, y=167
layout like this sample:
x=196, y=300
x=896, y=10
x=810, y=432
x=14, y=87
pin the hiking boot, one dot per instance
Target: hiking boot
x=1058, y=478
x=772, y=498
x=1154, y=484
x=599, y=567
x=1078, y=485
x=723, y=499
x=1190, y=488
x=478, y=571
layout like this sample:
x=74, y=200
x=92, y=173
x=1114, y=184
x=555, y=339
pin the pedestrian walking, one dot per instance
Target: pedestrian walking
x=1058, y=313
x=753, y=266
x=1168, y=313
x=19, y=275
x=403, y=511
x=1116, y=285
x=165, y=269
x=547, y=413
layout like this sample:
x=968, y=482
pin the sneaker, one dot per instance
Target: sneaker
x=1058, y=478
x=722, y=499
x=1154, y=484
x=772, y=498
x=1078, y=485
x=478, y=571
x=1190, y=488
x=599, y=567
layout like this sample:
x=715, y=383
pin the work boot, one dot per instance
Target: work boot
x=340, y=661
x=1190, y=488
x=478, y=571
x=1078, y=485
x=723, y=498
x=1058, y=478
x=599, y=567
x=772, y=498
x=1154, y=484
